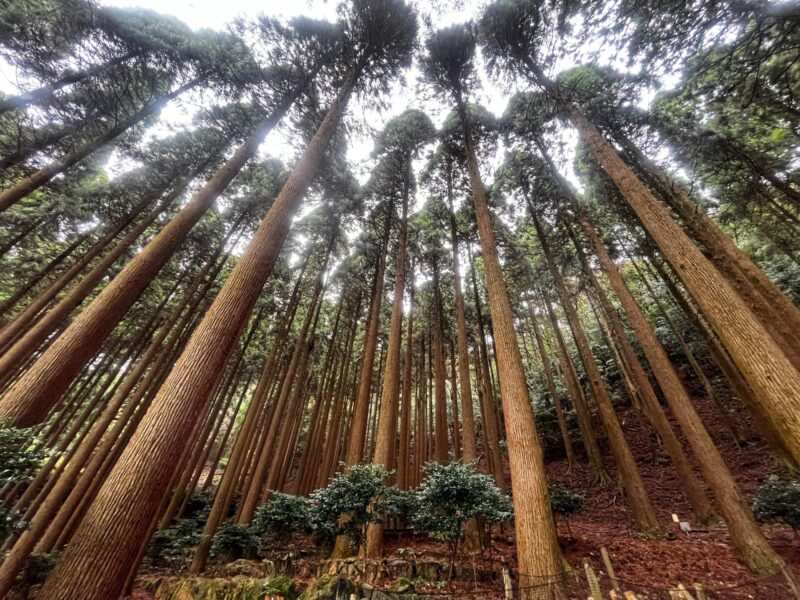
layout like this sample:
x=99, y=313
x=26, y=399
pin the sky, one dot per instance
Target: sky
x=407, y=93
x=216, y=14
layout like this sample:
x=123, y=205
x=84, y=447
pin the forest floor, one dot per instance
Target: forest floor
x=705, y=557
x=649, y=568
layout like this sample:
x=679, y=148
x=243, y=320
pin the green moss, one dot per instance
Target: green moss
x=326, y=587
x=280, y=586
x=232, y=588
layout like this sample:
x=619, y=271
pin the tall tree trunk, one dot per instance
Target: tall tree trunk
x=27, y=316
x=355, y=447
x=245, y=436
x=34, y=181
x=420, y=431
x=578, y=396
x=34, y=394
x=132, y=492
x=390, y=394
x=454, y=403
x=551, y=386
x=491, y=434
x=708, y=388
x=26, y=345
x=462, y=347
x=319, y=415
x=39, y=94
x=250, y=500
x=729, y=370
x=695, y=493
x=61, y=501
x=773, y=308
x=748, y=540
x=441, y=448
x=358, y=432
x=643, y=513
x=404, y=471
x=109, y=449
x=538, y=553
x=295, y=406
x=772, y=377
x=49, y=269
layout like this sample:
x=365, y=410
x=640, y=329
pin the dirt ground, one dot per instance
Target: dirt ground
x=647, y=567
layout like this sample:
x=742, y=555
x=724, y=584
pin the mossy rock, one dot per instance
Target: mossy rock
x=242, y=567
x=403, y=586
x=280, y=586
x=328, y=587
x=233, y=588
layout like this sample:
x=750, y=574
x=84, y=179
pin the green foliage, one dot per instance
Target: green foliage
x=235, y=540
x=198, y=505
x=18, y=458
x=284, y=514
x=453, y=494
x=38, y=567
x=778, y=499
x=10, y=522
x=449, y=63
x=17, y=455
x=351, y=494
x=400, y=503
x=564, y=502
x=450, y=496
x=172, y=542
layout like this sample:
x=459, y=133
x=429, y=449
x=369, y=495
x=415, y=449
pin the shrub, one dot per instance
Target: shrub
x=235, y=540
x=17, y=459
x=400, y=503
x=38, y=567
x=198, y=506
x=778, y=500
x=11, y=522
x=173, y=542
x=283, y=515
x=450, y=496
x=350, y=494
x=564, y=502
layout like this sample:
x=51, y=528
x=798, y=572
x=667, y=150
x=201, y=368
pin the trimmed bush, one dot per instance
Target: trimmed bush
x=234, y=541
x=17, y=460
x=284, y=514
x=778, y=500
x=450, y=496
x=172, y=542
x=351, y=494
x=563, y=502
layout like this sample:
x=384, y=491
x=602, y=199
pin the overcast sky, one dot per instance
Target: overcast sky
x=216, y=14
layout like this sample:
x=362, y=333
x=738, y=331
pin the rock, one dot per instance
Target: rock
x=234, y=588
x=401, y=568
x=246, y=568
x=328, y=587
x=429, y=571
x=374, y=594
x=403, y=586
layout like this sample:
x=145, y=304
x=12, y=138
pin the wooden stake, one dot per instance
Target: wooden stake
x=610, y=570
x=791, y=580
x=507, y=584
x=594, y=585
x=701, y=593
